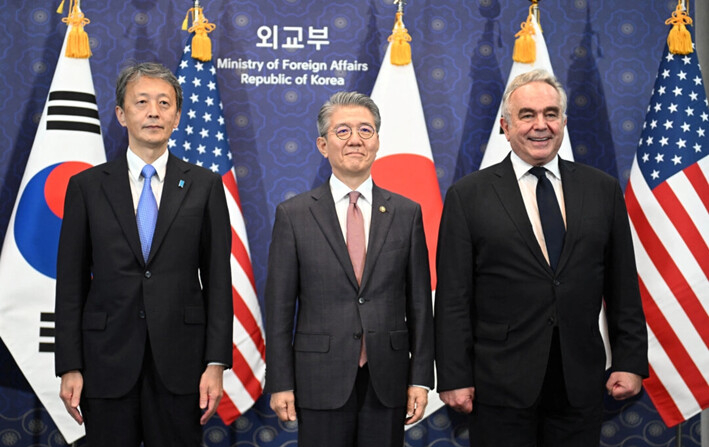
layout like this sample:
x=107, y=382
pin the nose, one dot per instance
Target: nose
x=354, y=138
x=540, y=122
x=153, y=109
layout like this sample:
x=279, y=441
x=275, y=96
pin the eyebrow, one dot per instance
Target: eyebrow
x=530, y=110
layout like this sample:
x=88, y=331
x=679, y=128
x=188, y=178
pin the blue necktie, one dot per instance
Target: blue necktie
x=147, y=213
x=550, y=215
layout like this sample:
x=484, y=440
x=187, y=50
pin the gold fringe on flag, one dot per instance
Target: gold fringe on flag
x=679, y=40
x=77, y=45
x=400, y=38
x=201, y=44
x=525, y=50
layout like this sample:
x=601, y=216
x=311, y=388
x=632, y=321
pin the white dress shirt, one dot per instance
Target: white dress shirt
x=340, y=194
x=528, y=187
x=135, y=166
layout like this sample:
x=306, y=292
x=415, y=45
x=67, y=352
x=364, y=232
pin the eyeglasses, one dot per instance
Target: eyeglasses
x=344, y=132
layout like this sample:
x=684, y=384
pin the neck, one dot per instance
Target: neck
x=352, y=182
x=148, y=155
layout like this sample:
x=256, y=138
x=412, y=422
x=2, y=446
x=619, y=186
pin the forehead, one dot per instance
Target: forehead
x=535, y=95
x=351, y=115
x=145, y=85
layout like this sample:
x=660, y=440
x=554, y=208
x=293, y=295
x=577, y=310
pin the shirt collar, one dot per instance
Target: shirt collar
x=340, y=190
x=135, y=165
x=521, y=167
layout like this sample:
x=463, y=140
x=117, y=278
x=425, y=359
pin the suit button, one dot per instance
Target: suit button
x=148, y=274
x=556, y=282
x=141, y=314
x=361, y=300
x=551, y=321
x=357, y=335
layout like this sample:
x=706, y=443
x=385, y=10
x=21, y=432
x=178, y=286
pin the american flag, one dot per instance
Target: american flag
x=668, y=203
x=202, y=139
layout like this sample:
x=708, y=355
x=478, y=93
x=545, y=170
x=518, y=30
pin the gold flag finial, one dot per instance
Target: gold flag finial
x=525, y=50
x=201, y=44
x=400, y=38
x=77, y=45
x=679, y=40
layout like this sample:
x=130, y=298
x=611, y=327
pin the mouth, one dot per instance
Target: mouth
x=539, y=139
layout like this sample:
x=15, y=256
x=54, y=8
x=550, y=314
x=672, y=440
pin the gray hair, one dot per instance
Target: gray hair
x=346, y=99
x=152, y=70
x=536, y=75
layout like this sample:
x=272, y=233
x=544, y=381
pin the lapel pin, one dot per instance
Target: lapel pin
x=181, y=184
x=382, y=209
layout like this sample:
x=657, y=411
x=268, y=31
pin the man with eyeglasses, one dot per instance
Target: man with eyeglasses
x=348, y=262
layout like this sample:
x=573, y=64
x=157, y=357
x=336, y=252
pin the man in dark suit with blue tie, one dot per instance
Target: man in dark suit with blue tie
x=143, y=303
x=348, y=261
x=528, y=251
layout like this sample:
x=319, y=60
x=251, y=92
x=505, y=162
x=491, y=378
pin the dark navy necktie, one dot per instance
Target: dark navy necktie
x=550, y=216
x=147, y=214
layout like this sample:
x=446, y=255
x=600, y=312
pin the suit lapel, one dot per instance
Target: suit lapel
x=382, y=216
x=507, y=189
x=324, y=213
x=573, y=202
x=116, y=187
x=175, y=187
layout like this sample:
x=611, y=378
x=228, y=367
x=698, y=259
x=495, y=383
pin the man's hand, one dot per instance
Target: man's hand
x=461, y=400
x=283, y=403
x=415, y=404
x=70, y=393
x=211, y=390
x=622, y=385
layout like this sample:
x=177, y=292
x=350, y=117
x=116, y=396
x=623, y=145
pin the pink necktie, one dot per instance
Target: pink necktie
x=357, y=250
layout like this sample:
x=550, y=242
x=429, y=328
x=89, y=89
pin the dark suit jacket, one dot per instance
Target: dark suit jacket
x=109, y=302
x=309, y=269
x=498, y=299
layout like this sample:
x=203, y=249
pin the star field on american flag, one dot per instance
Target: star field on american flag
x=201, y=137
x=676, y=129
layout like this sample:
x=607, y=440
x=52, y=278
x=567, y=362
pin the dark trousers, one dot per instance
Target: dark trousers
x=362, y=422
x=550, y=422
x=148, y=413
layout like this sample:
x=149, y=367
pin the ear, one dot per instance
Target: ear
x=321, y=143
x=505, y=127
x=121, y=116
x=177, y=120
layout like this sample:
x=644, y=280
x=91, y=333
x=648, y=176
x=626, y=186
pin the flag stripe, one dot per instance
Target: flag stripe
x=669, y=270
x=227, y=410
x=247, y=321
x=661, y=398
x=243, y=371
x=70, y=110
x=238, y=250
x=73, y=126
x=699, y=182
x=673, y=346
x=72, y=96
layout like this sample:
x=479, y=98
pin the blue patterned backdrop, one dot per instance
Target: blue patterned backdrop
x=605, y=52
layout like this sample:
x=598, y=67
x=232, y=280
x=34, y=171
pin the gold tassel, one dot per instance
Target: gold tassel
x=60, y=9
x=679, y=40
x=77, y=45
x=525, y=50
x=201, y=44
x=400, y=38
